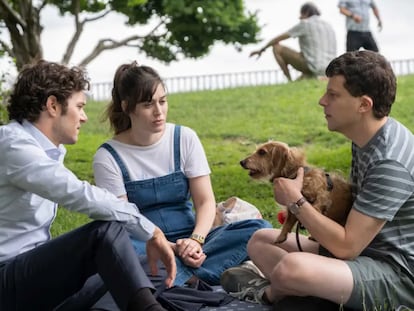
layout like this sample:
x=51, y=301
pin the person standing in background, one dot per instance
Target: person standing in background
x=317, y=42
x=357, y=24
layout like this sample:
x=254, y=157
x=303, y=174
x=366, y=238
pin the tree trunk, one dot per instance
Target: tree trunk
x=23, y=23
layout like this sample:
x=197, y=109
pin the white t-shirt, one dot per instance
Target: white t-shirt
x=150, y=161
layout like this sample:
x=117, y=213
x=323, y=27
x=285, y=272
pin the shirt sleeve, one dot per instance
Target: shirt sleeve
x=386, y=187
x=194, y=159
x=342, y=4
x=297, y=30
x=31, y=170
x=107, y=173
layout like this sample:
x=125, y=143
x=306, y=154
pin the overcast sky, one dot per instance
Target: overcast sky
x=396, y=41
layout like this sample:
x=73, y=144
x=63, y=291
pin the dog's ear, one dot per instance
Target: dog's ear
x=298, y=156
x=295, y=158
x=279, y=154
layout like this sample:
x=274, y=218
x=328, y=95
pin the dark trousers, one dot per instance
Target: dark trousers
x=358, y=39
x=53, y=273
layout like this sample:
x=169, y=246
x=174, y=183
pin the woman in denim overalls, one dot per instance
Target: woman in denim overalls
x=157, y=165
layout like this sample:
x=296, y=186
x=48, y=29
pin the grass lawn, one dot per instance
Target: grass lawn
x=230, y=123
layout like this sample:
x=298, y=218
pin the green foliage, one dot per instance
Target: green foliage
x=68, y=6
x=231, y=122
x=4, y=93
x=192, y=27
x=181, y=28
x=3, y=113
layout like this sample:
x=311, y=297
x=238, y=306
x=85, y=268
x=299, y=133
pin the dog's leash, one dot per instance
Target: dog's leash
x=299, y=225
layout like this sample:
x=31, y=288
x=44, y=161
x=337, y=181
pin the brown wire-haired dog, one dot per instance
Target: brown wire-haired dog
x=330, y=194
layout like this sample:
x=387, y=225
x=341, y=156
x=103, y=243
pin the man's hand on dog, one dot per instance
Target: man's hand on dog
x=288, y=190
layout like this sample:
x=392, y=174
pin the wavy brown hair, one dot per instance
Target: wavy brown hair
x=36, y=82
x=133, y=84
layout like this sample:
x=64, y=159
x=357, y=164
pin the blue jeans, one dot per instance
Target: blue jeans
x=225, y=247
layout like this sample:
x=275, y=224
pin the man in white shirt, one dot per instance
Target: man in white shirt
x=46, y=110
x=317, y=43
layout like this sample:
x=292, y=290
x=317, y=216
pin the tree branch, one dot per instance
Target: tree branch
x=79, y=27
x=110, y=44
x=16, y=16
x=92, y=19
x=76, y=35
x=43, y=4
x=107, y=44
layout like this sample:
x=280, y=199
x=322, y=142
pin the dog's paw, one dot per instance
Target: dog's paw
x=280, y=239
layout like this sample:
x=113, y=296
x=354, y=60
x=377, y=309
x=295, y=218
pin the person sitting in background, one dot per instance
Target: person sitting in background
x=163, y=169
x=368, y=264
x=46, y=110
x=357, y=24
x=317, y=42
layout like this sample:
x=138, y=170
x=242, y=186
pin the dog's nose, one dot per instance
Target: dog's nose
x=243, y=163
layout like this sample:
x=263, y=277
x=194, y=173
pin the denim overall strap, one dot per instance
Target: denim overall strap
x=118, y=160
x=177, y=152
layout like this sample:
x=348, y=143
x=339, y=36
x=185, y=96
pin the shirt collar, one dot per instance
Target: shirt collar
x=53, y=152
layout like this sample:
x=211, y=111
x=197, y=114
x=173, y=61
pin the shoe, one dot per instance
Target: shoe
x=250, y=265
x=253, y=291
x=244, y=282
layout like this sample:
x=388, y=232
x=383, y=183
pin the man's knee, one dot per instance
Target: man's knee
x=109, y=230
x=277, y=49
x=288, y=271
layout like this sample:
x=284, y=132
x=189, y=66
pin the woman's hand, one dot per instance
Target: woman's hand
x=190, y=252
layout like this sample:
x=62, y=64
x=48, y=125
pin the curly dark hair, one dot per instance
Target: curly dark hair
x=36, y=82
x=133, y=84
x=367, y=73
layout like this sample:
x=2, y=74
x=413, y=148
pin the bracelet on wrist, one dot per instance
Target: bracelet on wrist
x=198, y=238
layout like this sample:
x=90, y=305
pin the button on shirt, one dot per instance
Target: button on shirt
x=33, y=180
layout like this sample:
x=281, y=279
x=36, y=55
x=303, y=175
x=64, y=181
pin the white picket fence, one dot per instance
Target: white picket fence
x=102, y=91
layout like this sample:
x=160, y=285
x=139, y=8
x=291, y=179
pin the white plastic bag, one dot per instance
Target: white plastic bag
x=235, y=209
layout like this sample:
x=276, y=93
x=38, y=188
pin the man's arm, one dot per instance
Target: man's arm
x=343, y=242
x=272, y=42
x=348, y=13
x=30, y=169
x=377, y=15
